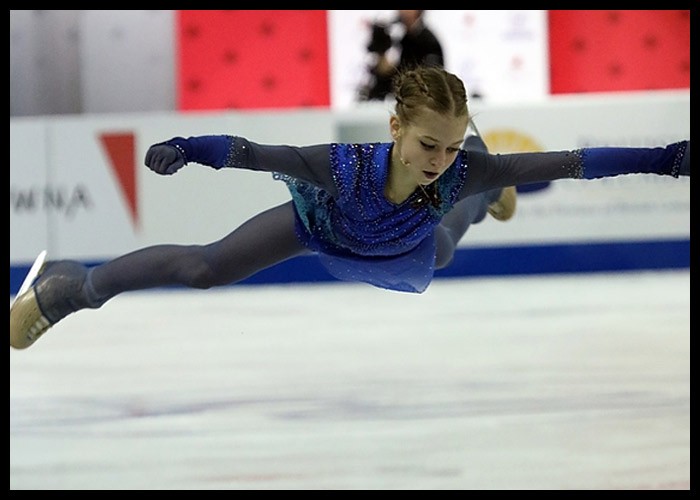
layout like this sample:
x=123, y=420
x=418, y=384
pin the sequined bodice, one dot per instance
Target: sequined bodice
x=360, y=219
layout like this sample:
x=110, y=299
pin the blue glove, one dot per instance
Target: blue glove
x=168, y=157
x=165, y=159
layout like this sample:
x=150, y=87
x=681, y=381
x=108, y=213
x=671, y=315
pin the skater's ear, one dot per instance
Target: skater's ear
x=395, y=127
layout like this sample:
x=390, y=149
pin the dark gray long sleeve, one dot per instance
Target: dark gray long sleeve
x=489, y=171
x=484, y=171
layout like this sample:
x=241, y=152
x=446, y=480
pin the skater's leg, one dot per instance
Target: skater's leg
x=68, y=286
x=261, y=242
x=500, y=203
x=503, y=206
x=471, y=210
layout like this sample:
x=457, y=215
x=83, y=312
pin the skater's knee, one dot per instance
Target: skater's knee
x=200, y=276
x=444, y=256
x=197, y=272
x=445, y=247
x=441, y=262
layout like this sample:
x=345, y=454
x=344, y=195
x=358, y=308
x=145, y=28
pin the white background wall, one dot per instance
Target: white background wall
x=91, y=61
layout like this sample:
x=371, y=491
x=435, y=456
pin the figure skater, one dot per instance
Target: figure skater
x=387, y=214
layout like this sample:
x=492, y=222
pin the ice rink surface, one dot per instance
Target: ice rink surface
x=550, y=382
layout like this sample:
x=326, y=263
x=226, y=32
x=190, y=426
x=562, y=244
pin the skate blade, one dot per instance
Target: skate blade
x=34, y=271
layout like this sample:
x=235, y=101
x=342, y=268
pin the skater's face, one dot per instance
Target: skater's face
x=428, y=145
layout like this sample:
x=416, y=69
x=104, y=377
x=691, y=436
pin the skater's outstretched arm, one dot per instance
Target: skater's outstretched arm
x=306, y=163
x=489, y=171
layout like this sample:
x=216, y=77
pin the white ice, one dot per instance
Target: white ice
x=550, y=382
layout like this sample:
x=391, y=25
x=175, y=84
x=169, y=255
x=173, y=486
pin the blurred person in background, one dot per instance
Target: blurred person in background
x=415, y=44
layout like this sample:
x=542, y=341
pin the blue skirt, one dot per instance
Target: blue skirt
x=411, y=271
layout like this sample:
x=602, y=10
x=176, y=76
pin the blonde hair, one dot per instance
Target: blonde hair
x=431, y=87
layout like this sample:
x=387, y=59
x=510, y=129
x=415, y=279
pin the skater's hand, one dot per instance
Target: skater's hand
x=164, y=159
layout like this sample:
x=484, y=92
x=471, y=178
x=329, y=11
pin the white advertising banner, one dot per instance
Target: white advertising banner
x=33, y=201
x=631, y=207
x=78, y=186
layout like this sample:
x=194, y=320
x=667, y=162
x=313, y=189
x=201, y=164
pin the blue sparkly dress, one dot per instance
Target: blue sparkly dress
x=342, y=214
x=359, y=234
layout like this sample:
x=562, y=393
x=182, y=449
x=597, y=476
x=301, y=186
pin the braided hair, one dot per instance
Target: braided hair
x=431, y=87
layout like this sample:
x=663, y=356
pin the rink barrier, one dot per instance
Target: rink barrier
x=491, y=261
x=79, y=188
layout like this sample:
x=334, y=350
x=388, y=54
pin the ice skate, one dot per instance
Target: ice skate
x=503, y=209
x=27, y=323
x=25, y=315
x=56, y=292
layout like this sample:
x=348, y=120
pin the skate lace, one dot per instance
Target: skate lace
x=38, y=328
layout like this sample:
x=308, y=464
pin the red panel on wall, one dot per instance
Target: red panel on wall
x=611, y=50
x=252, y=59
x=121, y=152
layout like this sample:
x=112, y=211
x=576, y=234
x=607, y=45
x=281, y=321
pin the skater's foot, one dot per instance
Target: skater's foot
x=503, y=208
x=56, y=293
x=27, y=323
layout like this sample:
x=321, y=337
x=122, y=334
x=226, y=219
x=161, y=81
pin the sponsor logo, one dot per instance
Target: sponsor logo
x=68, y=200
x=64, y=200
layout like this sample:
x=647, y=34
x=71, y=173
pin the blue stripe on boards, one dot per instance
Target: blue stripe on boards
x=494, y=261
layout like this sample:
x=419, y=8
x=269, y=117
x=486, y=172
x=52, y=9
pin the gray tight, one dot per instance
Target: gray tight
x=470, y=210
x=262, y=241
